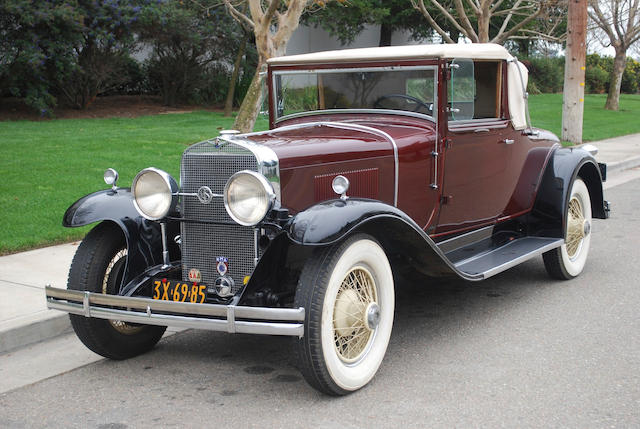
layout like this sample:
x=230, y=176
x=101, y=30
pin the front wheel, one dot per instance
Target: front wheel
x=348, y=293
x=98, y=267
x=568, y=260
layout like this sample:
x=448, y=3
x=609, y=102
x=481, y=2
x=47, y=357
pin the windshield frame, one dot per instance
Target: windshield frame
x=276, y=71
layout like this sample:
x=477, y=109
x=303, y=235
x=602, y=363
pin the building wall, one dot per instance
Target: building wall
x=310, y=39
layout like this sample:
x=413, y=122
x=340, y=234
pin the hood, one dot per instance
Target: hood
x=324, y=142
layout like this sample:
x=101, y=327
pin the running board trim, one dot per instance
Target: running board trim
x=515, y=252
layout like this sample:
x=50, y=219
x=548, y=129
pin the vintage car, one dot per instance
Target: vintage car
x=376, y=160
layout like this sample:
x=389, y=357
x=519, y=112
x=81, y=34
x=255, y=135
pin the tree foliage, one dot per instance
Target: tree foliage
x=36, y=40
x=70, y=49
x=101, y=51
x=346, y=20
x=188, y=40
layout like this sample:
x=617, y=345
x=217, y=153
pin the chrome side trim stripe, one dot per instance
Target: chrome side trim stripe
x=263, y=320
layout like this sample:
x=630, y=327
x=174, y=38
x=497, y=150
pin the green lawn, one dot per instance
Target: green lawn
x=47, y=165
x=598, y=124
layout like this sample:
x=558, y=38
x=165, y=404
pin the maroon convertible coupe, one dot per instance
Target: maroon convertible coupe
x=376, y=159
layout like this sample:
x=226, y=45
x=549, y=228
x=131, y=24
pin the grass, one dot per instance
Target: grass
x=598, y=124
x=47, y=165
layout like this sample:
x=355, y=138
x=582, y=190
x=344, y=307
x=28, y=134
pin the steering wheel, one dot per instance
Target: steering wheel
x=379, y=103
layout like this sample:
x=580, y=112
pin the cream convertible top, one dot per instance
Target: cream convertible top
x=479, y=51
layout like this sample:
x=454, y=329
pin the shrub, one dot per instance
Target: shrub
x=36, y=49
x=191, y=45
x=546, y=74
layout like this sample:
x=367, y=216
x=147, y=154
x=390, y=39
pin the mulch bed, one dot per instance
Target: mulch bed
x=123, y=106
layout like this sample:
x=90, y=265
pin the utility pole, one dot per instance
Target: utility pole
x=574, y=66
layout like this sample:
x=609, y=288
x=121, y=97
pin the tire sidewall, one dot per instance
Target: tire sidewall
x=368, y=254
x=574, y=266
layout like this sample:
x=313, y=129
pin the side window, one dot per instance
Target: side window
x=475, y=90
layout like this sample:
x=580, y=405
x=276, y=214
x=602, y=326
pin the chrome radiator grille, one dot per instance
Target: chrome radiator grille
x=204, y=164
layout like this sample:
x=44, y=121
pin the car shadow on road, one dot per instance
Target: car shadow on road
x=429, y=314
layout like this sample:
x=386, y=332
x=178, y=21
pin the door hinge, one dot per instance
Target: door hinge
x=447, y=143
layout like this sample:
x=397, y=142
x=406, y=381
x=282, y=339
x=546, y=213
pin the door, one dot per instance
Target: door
x=479, y=148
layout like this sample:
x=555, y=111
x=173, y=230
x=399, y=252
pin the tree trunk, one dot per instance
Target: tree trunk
x=250, y=106
x=619, y=63
x=483, y=27
x=385, y=34
x=228, y=105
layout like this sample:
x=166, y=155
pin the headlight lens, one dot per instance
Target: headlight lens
x=248, y=197
x=154, y=193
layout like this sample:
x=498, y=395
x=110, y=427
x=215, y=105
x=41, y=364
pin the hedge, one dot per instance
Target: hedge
x=546, y=75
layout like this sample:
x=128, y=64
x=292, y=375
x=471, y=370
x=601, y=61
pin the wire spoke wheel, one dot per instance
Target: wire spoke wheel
x=112, y=279
x=575, y=227
x=351, y=330
x=567, y=261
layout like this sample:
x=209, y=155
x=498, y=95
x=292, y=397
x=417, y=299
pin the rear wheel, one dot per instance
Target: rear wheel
x=568, y=260
x=98, y=267
x=348, y=296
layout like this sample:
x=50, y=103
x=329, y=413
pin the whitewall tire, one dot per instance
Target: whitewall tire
x=568, y=260
x=348, y=295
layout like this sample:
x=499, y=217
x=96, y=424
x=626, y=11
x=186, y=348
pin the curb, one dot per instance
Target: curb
x=33, y=329
x=623, y=165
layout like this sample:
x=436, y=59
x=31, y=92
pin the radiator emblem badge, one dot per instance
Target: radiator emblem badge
x=222, y=265
x=205, y=195
x=195, y=275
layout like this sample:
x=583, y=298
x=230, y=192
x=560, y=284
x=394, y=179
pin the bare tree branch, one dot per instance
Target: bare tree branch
x=238, y=16
x=503, y=27
x=500, y=38
x=462, y=15
x=420, y=6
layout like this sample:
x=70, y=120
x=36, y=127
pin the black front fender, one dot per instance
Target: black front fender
x=144, y=240
x=331, y=221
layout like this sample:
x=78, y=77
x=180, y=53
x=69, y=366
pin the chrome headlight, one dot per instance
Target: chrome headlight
x=248, y=197
x=154, y=193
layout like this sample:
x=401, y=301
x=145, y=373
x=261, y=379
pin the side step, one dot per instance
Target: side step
x=495, y=261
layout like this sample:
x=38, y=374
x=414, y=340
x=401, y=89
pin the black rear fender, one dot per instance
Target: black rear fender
x=548, y=217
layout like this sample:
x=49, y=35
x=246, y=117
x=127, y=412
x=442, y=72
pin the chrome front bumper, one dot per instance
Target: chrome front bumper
x=213, y=317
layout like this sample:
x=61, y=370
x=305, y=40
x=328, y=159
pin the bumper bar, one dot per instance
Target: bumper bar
x=213, y=317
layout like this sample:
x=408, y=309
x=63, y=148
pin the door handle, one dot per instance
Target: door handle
x=481, y=130
x=507, y=141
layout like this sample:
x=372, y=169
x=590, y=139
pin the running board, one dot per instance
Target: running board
x=513, y=253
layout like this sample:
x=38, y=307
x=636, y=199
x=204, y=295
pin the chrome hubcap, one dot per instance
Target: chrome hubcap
x=373, y=316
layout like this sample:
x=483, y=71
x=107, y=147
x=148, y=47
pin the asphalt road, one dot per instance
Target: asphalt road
x=519, y=350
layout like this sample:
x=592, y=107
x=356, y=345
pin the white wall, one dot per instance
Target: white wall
x=309, y=39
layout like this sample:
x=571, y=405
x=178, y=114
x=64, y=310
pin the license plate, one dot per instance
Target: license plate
x=174, y=290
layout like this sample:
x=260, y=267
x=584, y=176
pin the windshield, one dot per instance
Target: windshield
x=408, y=89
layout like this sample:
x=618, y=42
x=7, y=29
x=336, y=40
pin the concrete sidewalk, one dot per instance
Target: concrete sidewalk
x=24, y=318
